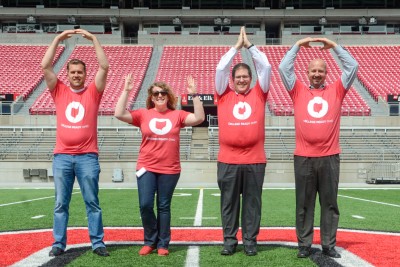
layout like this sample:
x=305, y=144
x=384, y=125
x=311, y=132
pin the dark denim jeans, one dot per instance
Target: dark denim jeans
x=157, y=230
x=86, y=168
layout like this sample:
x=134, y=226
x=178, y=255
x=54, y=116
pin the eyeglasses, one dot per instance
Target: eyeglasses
x=244, y=77
x=163, y=93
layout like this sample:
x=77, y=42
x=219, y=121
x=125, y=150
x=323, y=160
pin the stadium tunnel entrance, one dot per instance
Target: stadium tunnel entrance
x=209, y=104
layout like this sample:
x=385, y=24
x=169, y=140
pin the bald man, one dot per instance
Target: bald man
x=317, y=109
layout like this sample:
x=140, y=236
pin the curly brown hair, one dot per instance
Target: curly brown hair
x=172, y=101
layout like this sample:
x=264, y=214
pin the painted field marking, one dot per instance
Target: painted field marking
x=182, y=195
x=357, y=216
x=193, y=252
x=371, y=201
x=194, y=218
x=38, y=216
x=29, y=200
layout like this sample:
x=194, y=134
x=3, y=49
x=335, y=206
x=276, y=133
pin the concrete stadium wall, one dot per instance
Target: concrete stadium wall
x=145, y=38
x=47, y=38
x=194, y=173
x=185, y=39
x=275, y=121
x=349, y=39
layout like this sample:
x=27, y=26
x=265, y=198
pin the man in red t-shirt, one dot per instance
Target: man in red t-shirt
x=76, y=150
x=317, y=109
x=241, y=158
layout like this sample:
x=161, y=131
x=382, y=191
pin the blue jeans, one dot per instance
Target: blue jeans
x=87, y=169
x=157, y=230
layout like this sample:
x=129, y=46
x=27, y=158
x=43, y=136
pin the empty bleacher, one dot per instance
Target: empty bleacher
x=177, y=62
x=379, y=69
x=358, y=144
x=20, y=68
x=115, y=143
x=122, y=59
x=279, y=101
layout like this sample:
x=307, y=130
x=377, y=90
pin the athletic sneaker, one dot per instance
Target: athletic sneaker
x=55, y=251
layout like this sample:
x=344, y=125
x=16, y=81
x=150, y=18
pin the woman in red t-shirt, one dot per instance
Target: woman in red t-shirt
x=158, y=166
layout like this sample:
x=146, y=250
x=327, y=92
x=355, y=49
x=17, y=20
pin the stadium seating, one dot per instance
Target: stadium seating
x=20, y=66
x=279, y=101
x=177, y=62
x=115, y=143
x=379, y=69
x=122, y=59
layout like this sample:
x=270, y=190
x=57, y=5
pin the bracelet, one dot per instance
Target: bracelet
x=250, y=46
x=194, y=95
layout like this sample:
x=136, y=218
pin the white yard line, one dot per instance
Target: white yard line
x=371, y=201
x=29, y=200
x=193, y=252
x=199, y=210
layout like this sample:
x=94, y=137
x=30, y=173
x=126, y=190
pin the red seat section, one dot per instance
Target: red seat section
x=379, y=69
x=279, y=101
x=20, y=67
x=122, y=59
x=177, y=62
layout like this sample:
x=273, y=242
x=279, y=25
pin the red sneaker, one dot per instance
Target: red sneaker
x=145, y=250
x=163, y=252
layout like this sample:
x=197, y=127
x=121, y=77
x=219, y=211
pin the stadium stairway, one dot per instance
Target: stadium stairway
x=42, y=86
x=377, y=109
x=199, y=144
x=149, y=77
x=249, y=61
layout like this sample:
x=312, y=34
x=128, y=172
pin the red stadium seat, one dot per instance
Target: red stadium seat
x=122, y=59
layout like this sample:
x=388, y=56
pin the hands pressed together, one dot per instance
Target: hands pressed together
x=242, y=39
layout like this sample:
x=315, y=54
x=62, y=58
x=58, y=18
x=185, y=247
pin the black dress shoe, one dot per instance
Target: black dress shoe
x=228, y=251
x=331, y=253
x=250, y=250
x=101, y=251
x=56, y=251
x=304, y=252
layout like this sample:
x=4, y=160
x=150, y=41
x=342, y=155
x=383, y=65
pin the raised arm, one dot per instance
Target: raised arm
x=198, y=116
x=121, y=112
x=286, y=67
x=47, y=62
x=101, y=75
x=263, y=67
x=223, y=67
x=350, y=65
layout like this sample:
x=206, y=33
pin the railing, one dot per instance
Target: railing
x=383, y=172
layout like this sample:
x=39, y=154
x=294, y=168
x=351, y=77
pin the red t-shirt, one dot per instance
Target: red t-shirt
x=317, y=119
x=76, y=119
x=241, y=122
x=159, y=150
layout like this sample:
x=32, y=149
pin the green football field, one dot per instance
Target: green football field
x=197, y=209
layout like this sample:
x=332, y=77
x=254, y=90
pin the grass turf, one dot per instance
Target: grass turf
x=360, y=209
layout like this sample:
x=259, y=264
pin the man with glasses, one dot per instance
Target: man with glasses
x=241, y=158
